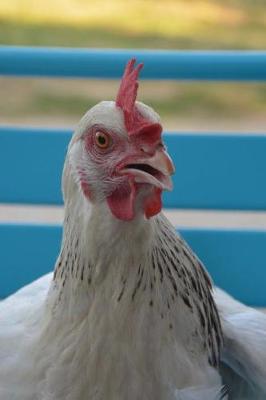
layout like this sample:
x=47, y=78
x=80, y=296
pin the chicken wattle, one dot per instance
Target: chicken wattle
x=128, y=313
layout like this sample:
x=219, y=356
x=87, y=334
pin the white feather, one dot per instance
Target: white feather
x=71, y=348
x=244, y=330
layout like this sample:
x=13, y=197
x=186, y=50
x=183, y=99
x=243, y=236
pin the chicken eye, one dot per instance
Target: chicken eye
x=103, y=140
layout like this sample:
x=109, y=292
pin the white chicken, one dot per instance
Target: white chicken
x=129, y=312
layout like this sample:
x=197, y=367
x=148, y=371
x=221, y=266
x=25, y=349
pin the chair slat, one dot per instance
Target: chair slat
x=93, y=63
x=235, y=259
x=31, y=163
x=218, y=171
x=212, y=171
x=27, y=252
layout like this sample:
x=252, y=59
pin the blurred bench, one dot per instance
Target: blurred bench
x=218, y=172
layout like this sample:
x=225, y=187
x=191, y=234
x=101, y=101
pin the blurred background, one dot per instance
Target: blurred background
x=164, y=24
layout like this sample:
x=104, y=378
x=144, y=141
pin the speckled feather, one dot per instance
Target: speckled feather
x=173, y=269
x=147, y=343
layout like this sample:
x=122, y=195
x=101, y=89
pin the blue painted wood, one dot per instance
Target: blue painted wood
x=235, y=259
x=218, y=171
x=31, y=163
x=27, y=252
x=104, y=63
x=212, y=171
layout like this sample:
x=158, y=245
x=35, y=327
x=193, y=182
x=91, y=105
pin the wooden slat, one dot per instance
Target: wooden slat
x=93, y=63
x=31, y=163
x=218, y=171
x=235, y=259
x=212, y=171
x=27, y=252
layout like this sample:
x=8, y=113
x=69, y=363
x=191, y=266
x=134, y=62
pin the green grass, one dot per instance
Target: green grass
x=166, y=24
x=54, y=98
x=210, y=24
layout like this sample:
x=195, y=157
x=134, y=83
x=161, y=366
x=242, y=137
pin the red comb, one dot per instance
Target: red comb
x=127, y=93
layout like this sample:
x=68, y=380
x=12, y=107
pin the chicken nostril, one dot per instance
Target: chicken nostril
x=147, y=150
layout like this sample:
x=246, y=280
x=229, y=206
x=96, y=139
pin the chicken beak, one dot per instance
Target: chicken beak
x=155, y=170
x=162, y=162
